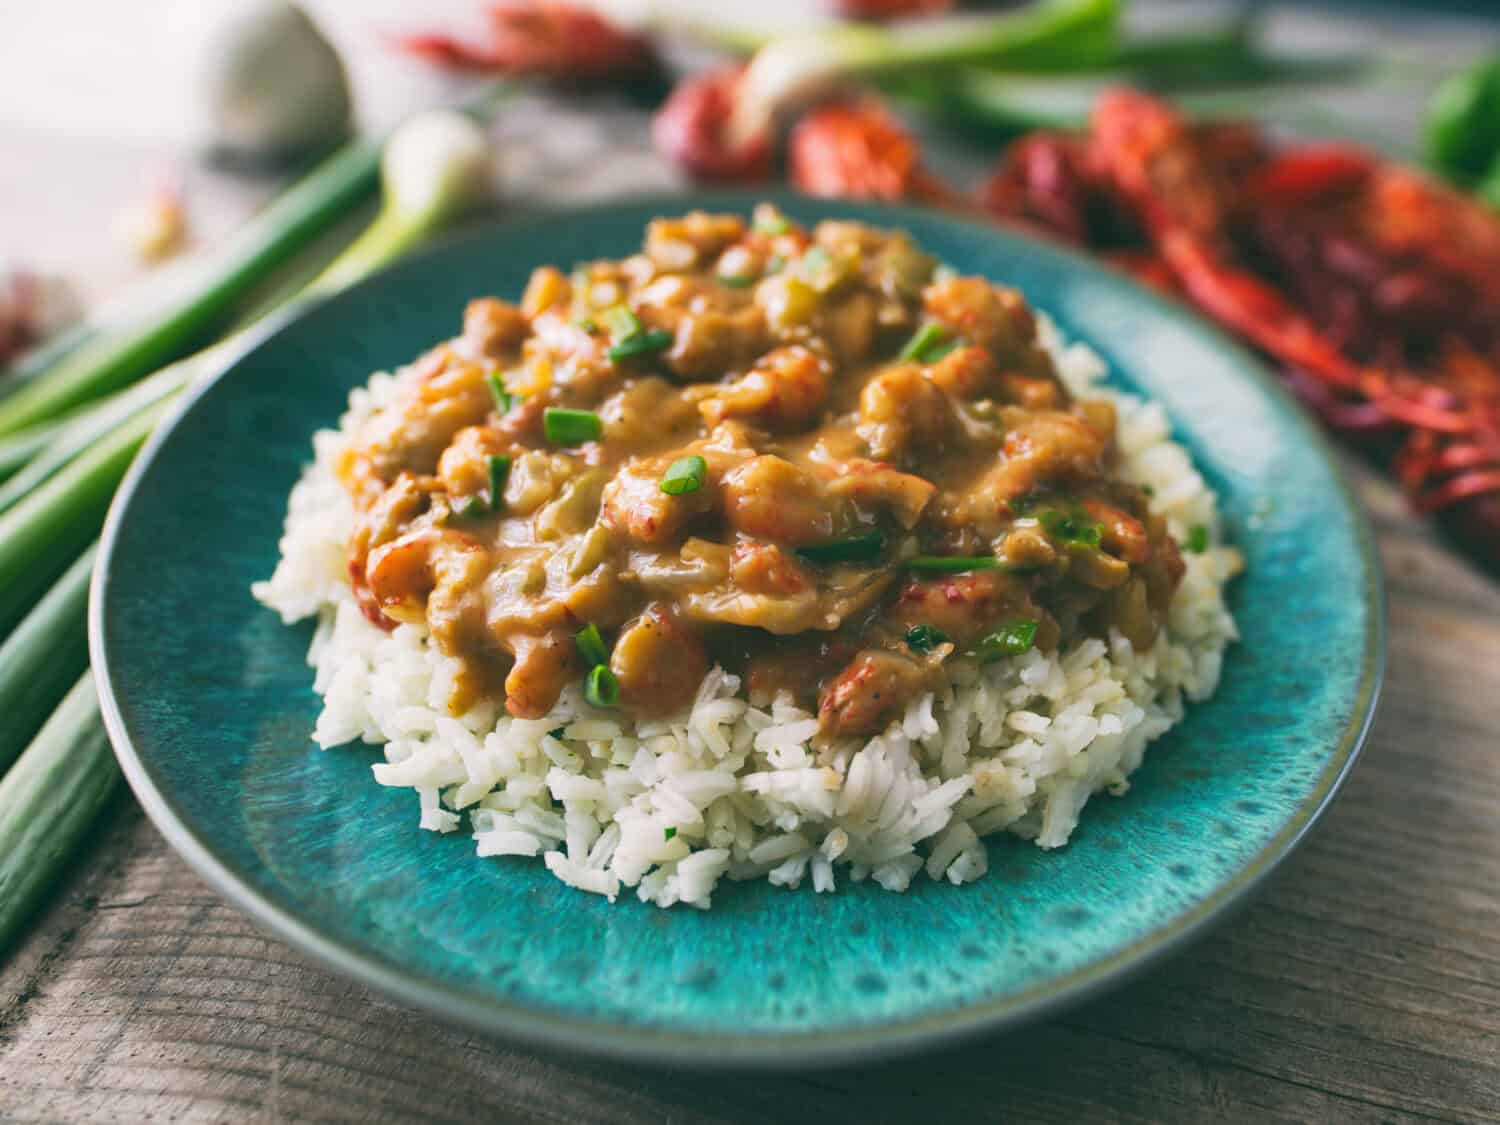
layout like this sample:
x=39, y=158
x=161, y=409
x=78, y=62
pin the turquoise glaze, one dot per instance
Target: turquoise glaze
x=210, y=704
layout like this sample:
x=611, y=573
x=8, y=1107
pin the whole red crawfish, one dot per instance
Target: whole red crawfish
x=858, y=150
x=1376, y=290
x=542, y=39
x=692, y=129
x=889, y=9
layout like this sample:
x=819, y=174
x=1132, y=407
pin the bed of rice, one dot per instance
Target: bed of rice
x=670, y=806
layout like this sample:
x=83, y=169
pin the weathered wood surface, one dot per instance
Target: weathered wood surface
x=1363, y=987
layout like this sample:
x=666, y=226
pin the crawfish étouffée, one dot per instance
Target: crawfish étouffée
x=807, y=455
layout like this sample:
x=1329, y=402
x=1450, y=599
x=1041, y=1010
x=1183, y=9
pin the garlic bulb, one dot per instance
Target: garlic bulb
x=272, y=87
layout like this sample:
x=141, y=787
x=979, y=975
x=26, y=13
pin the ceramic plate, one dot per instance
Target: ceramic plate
x=209, y=701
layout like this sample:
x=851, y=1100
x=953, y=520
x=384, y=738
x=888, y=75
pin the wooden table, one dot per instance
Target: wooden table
x=1363, y=986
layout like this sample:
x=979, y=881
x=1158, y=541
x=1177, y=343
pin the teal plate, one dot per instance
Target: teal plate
x=210, y=704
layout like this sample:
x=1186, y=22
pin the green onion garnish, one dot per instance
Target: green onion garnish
x=737, y=280
x=621, y=322
x=684, y=475
x=571, y=427
x=591, y=646
x=1197, y=540
x=775, y=264
x=503, y=398
x=857, y=549
x=1148, y=490
x=770, y=221
x=924, y=638
x=1073, y=529
x=1010, y=640
x=952, y=564
x=588, y=324
x=668, y=833
x=556, y=732
x=472, y=508
x=499, y=473
x=600, y=687
x=924, y=344
x=641, y=343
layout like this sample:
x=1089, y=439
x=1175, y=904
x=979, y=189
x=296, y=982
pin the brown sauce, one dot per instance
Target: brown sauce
x=769, y=426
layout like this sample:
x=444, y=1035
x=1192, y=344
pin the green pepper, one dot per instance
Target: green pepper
x=1462, y=130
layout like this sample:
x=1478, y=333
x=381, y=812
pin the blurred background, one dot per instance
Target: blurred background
x=101, y=101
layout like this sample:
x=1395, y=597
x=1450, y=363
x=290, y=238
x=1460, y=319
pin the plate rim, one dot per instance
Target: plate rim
x=524, y=1025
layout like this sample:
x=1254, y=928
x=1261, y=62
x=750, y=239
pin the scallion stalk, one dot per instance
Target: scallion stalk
x=48, y=799
x=42, y=656
x=42, y=534
x=1049, y=34
x=113, y=359
x=77, y=431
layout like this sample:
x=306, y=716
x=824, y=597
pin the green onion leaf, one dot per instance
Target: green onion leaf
x=588, y=324
x=737, y=280
x=1148, y=490
x=556, y=732
x=684, y=475
x=571, y=427
x=642, y=343
x=471, y=507
x=1197, y=540
x=1073, y=529
x=858, y=549
x=668, y=833
x=591, y=646
x=924, y=638
x=924, y=342
x=600, y=687
x=503, y=398
x=952, y=564
x=1009, y=640
x=621, y=322
x=499, y=473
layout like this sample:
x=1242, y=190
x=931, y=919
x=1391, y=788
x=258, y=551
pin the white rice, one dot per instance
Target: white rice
x=670, y=806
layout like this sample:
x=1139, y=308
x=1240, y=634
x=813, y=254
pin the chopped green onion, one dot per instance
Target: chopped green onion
x=499, y=472
x=668, y=833
x=621, y=322
x=471, y=508
x=571, y=427
x=857, y=549
x=952, y=564
x=642, y=343
x=775, y=264
x=600, y=687
x=737, y=280
x=588, y=324
x=1010, y=640
x=1148, y=490
x=684, y=475
x=504, y=400
x=556, y=732
x=768, y=220
x=591, y=646
x=1075, y=529
x=1197, y=540
x=924, y=638
x=924, y=344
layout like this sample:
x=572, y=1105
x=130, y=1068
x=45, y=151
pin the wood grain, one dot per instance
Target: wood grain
x=1363, y=987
